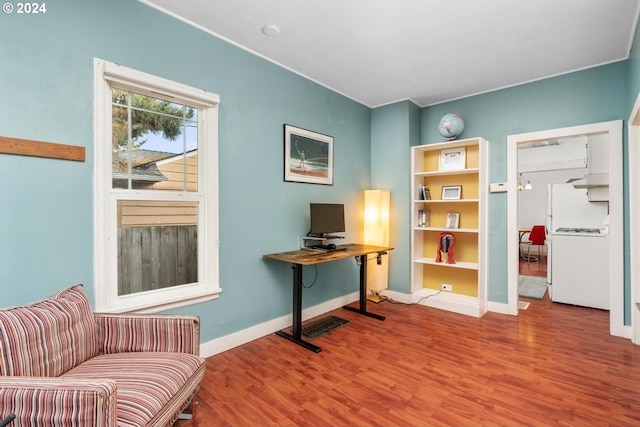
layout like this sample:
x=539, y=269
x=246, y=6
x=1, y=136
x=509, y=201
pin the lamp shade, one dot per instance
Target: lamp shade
x=376, y=232
x=376, y=217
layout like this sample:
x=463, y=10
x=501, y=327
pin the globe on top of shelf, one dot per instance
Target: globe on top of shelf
x=451, y=125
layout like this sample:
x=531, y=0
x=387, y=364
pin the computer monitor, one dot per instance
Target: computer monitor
x=326, y=218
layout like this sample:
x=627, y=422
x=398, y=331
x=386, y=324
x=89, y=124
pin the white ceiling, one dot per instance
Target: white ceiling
x=379, y=52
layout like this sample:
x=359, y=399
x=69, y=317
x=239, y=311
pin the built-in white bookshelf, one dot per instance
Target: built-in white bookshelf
x=455, y=174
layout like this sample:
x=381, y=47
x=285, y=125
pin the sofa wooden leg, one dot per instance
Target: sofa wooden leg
x=189, y=411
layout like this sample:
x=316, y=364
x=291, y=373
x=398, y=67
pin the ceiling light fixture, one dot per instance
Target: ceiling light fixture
x=270, y=30
x=520, y=183
x=528, y=186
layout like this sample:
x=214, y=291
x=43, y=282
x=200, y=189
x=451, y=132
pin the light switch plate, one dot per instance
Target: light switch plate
x=498, y=187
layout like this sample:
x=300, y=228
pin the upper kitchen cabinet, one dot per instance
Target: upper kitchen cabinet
x=553, y=155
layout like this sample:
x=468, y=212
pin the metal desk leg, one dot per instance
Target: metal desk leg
x=296, y=329
x=363, y=292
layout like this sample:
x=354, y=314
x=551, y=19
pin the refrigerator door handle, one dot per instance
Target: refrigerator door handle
x=549, y=212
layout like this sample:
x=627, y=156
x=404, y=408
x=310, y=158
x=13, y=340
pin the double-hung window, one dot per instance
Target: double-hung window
x=156, y=191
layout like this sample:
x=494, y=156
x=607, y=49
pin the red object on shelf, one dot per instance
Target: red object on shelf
x=446, y=242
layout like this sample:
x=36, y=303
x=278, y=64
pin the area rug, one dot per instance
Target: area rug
x=319, y=327
x=532, y=286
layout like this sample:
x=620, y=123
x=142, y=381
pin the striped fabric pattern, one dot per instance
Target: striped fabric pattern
x=61, y=365
x=120, y=333
x=152, y=387
x=48, y=337
x=54, y=402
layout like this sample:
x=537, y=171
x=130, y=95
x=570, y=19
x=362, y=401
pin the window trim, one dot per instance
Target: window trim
x=106, y=75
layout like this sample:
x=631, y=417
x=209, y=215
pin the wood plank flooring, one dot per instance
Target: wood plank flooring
x=538, y=268
x=553, y=365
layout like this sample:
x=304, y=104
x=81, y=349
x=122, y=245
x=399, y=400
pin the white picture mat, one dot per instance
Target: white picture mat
x=452, y=192
x=453, y=219
x=453, y=159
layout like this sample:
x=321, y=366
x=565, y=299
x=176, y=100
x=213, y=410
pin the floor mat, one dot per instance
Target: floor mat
x=532, y=286
x=319, y=327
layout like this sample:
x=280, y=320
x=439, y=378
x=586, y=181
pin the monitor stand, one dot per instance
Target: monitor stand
x=318, y=243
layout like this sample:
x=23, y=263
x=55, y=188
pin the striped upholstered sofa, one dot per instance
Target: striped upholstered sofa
x=63, y=365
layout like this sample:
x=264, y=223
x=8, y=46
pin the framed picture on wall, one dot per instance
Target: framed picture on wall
x=308, y=156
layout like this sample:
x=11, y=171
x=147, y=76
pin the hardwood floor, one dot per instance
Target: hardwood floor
x=553, y=365
x=533, y=268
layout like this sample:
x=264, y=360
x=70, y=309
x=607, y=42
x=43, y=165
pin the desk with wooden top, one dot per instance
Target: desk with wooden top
x=300, y=258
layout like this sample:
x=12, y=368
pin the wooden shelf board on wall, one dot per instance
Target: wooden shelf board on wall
x=25, y=147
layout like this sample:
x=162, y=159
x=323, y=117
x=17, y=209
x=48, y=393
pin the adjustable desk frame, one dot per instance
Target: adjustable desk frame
x=300, y=258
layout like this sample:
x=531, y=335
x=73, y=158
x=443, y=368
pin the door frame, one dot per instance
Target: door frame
x=616, y=214
x=633, y=128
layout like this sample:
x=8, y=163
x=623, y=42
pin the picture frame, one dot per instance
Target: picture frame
x=308, y=156
x=451, y=192
x=453, y=220
x=453, y=159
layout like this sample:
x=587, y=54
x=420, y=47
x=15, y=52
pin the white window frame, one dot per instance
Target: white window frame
x=106, y=75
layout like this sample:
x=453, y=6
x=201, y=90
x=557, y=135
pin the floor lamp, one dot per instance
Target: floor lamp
x=376, y=232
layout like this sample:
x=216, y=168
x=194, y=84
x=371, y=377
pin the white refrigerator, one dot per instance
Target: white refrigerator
x=569, y=207
x=577, y=247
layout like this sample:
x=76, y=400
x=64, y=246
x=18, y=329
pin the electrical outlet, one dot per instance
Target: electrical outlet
x=447, y=287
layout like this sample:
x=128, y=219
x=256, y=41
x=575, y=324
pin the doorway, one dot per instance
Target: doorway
x=545, y=166
x=616, y=251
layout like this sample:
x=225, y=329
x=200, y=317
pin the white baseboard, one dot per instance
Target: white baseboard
x=495, y=307
x=498, y=307
x=627, y=332
x=456, y=303
x=397, y=296
x=236, y=339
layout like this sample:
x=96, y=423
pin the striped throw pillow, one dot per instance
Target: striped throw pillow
x=48, y=337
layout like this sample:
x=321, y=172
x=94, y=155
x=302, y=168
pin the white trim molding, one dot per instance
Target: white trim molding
x=616, y=213
x=106, y=198
x=634, y=217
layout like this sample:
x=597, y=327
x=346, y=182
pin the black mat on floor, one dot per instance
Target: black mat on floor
x=319, y=327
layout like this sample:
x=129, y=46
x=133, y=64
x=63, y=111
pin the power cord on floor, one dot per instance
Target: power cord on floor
x=390, y=301
x=429, y=296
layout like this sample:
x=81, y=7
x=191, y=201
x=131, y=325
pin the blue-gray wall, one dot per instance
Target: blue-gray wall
x=46, y=206
x=633, y=73
x=590, y=96
x=393, y=129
